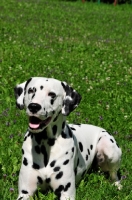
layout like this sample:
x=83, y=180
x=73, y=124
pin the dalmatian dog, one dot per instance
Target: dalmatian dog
x=56, y=154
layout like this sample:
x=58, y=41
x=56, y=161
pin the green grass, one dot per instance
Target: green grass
x=90, y=47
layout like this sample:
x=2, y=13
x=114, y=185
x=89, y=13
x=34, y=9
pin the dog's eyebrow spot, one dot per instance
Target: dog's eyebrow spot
x=34, y=89
x=41, y=87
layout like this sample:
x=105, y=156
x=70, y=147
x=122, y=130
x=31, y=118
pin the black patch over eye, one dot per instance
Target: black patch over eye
x=52, y=95
x=30, y=91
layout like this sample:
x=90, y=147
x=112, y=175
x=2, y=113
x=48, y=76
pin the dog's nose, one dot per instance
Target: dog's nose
x=34, y=107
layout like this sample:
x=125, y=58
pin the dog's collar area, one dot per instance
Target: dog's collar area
x=36, y=123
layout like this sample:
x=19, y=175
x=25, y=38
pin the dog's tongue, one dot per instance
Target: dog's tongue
x=34, y=125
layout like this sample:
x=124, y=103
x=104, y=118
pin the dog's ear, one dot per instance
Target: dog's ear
x=71, y=99
x=19, y=95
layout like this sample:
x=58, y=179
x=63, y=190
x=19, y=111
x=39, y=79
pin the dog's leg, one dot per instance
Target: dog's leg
x=109, y=157
x=28, y=180
x=65, y=187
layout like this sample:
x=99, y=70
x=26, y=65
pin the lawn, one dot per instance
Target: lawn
x=89, y=46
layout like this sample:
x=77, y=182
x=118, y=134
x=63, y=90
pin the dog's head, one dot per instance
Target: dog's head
x=43, y=99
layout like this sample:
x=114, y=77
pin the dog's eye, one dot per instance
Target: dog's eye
x=52, y=95
x=30, y=91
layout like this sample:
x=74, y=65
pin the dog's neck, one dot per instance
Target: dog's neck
x=46, y=139
x=52, y=131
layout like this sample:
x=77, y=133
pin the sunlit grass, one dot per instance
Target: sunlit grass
x=85, y=44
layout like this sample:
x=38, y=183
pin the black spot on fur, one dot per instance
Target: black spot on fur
x=88, y=152
x=66, y=162
x=63, y=135
x=54, y=129
x=63, y=125
x=30, y=91
x=52, y=164
x=43, y=150
x=117, y=145
x=72, y=149
x=40, y=136
x=53, y=112
x=111, y=140
x=52, y=101
x=41, y=87
x=91, y=146
x=73, y=128
x=48, y=180
x=103, y=131
x=59, y=175
x=35, y=166
x=75, y=171
x=18, y=91
x=56, y=169
x=77, y=162
x=59, y=190
x=25, y=162
x=86, y=157
x=37, y=149
x=40, y=181
x=28, y=81
x=55, y=118
x=33, y=96
x=24, y=191
x=51, y=141
x=67, y=186
x=25, y=138
x=22, y=151
x=99, y=139
x=67, y=152
x=20, y=198
x=80, y=146
x=83, y=173
x=69, y=131
x=29, y=134
x=34, y=89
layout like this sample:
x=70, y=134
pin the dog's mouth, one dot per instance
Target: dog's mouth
x=36, y=123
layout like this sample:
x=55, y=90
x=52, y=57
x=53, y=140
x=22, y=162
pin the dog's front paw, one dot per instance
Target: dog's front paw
x=23, y=197
x=118, y=185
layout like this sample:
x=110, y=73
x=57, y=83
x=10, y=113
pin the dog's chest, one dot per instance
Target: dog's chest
x=40, y=152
